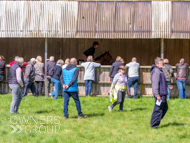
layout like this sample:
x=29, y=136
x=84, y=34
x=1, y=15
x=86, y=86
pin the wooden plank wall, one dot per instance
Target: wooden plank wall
x=144, y=49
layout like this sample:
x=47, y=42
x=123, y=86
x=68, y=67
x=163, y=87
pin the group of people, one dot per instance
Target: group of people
x=64, y=75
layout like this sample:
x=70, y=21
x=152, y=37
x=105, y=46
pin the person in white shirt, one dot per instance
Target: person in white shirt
x=89, y=75
x=133, y=74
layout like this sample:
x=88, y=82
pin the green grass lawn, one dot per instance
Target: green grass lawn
x=42, y=121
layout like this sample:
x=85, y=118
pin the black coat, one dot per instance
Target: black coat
x=114, y=68
x=2, y=68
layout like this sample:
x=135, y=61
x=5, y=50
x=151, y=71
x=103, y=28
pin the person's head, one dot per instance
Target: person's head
x=89, y=59
x=33, y=61
x=39, y=59
x=19, y=60
x=134, y=59
x=182, y=60
x=73, y=61
x=120, y=59
x=121, y=69
x=166, y=61
x=60, y=62
x=1, y=58
x=95, y=44
x=67, y=61
x=16, y=57
x=159, y=62
x=51, y=58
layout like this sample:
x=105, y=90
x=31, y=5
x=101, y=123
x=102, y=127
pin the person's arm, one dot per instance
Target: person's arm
x=97, y=64
x=127, y=65
x=27, y=71
x=111, y=70
x=83, y=64
x=74, y=78
x=62, y=80
x=18, y=76
x=155, y=83
x=114, y=81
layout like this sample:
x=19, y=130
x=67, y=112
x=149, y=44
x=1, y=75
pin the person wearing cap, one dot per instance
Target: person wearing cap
x=90, y=51
x=133, y=74
x=29, y=78
x=118, y=89
x=182, y=75
x=160, y=92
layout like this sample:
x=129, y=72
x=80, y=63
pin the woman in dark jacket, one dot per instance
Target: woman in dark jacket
x=114, y=68
x=56, y=79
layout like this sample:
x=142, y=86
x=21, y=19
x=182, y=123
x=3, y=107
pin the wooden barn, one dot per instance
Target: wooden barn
x=65, y=29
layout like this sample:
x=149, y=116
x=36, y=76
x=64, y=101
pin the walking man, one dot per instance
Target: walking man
x=70, y=87
x=160, y=92
x=182, y=75
x=133, y=74
x=29, y=78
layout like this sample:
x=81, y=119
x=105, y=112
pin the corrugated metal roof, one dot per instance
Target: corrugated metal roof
x=84, y=19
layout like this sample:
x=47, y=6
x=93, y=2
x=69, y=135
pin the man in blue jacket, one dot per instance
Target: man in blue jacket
x=160, y=92
x=70, y=87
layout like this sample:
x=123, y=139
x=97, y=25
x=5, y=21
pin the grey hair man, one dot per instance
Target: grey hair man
x=15, y=82
x=182, y=75
x=49, y=69
x=29, y=78
x=159, y=89
x=133, y=74
x=70, y=87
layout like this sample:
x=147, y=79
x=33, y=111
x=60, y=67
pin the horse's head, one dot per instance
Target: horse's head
x=108, y=57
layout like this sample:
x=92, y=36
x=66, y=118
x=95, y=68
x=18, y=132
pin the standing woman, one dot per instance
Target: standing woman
x=15, y=81
x=113, y=71
x=67, y=62
x=89, y=75
x=39, y=75
x=2, y=71
x=118, y=89
x=56, y=79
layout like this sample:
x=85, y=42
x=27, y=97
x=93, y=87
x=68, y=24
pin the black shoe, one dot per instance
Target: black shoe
x=82, y=116
x=66, y=117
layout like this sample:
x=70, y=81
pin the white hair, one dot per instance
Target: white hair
x=19, y=60
x=51, y=58
x=32, y=59
x=60, y=62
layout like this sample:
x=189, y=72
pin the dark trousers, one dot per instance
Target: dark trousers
x=133, y=81
x=120, y=100
x=67, y=96
x=159, y=112
x=29, y=85
x=38, y=85
x=88, y=87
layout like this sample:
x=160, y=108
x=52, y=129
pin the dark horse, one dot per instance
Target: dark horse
x=104, y=59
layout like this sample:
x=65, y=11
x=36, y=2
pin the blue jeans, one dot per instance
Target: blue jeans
x=57, y=87
x=112, y=79
x=29, y=85
x=133, y=81
x=88, y=87
x=16, y=97
x=181, y=87
x=168, y=96
x=67, y=96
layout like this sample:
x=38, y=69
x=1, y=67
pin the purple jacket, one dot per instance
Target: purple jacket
x=158, y=80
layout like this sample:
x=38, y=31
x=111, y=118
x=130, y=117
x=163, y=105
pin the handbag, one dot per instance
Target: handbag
x=40, y=69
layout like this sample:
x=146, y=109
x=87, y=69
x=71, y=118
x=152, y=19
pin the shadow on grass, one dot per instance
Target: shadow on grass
x=173, y=124
x=136, y=109
x=43, y=111
x=91, y=115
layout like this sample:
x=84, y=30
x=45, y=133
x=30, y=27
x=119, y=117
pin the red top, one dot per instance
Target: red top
x=181, y=79
x=13, y=62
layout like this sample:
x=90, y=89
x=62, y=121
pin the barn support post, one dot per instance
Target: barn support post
x=162, y=48
x=46, y=48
